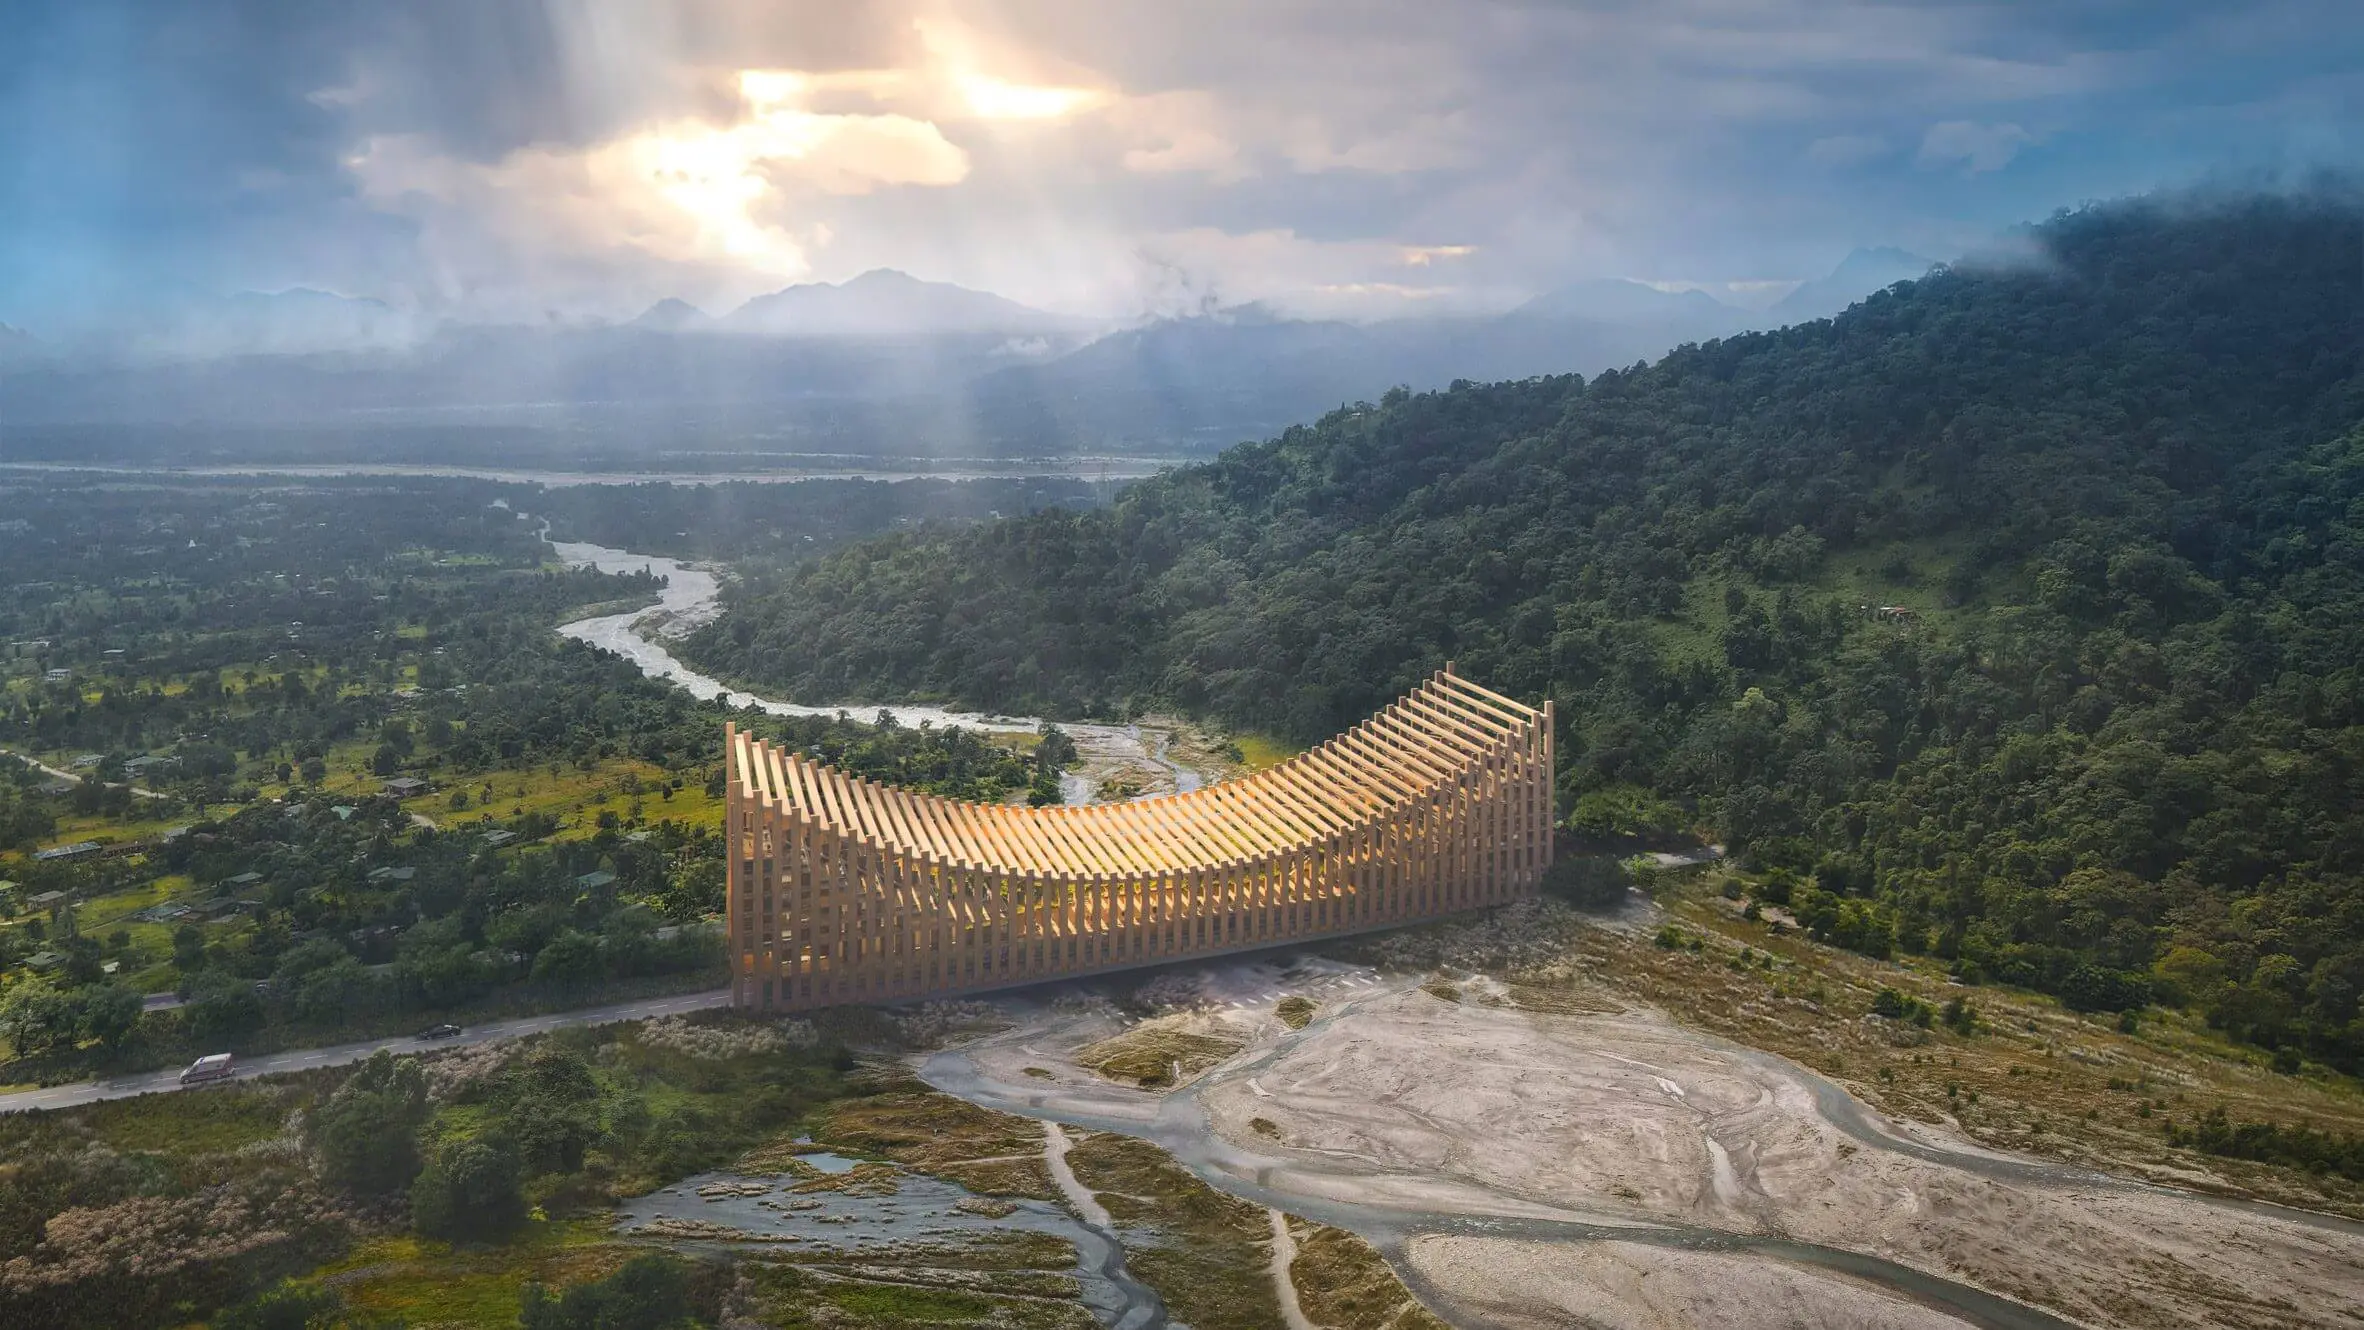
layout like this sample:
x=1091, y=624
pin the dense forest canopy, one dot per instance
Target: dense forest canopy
x=2017, y=613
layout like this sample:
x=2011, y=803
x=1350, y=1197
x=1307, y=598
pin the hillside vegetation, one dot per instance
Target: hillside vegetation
x=2108, y=742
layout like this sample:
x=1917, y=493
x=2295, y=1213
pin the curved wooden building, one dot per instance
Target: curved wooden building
x=847, y=891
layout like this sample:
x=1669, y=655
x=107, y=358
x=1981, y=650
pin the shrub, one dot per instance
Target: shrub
x=1902, y=1007
x=1959, y=1016
x=2091, y=987
x=2269, y=1143
x=648, y=1293
x=470, y=1191
x=366, y=1136
x=1587, y=881
x=284, y=1307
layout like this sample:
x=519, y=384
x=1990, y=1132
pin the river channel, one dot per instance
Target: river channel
x=1179, y=1124
x=690, y=597
x=899, y=1213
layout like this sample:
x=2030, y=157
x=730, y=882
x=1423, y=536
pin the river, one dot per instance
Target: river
x=690, y=598
x=885, y=1216
x=825, y=467
x=1311, y=1187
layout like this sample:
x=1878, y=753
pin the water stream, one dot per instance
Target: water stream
x=919, y=1211
x=1179, y=1124
x=691, y=597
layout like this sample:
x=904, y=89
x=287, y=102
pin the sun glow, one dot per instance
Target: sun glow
x=721, y=177
x=994, y=99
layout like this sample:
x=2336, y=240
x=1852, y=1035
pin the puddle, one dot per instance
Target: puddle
x=829, y=1163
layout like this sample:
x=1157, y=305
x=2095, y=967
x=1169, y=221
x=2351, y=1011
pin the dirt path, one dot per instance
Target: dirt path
x=1284, y=1255
x=1055, y=1146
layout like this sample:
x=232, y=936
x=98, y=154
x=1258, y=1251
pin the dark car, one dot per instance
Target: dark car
x=440, y=1032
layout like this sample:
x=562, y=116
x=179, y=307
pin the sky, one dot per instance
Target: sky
x=567, y=160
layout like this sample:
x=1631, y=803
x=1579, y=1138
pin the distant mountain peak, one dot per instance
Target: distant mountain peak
x=671, y=315
x=1864, y=270
x=886, y=302
x=1621, y=300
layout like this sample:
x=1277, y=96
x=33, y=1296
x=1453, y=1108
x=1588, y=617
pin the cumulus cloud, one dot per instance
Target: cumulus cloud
x=715, y=199
x=589, y=156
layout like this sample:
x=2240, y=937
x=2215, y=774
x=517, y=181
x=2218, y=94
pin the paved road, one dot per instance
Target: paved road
x=299, y=1059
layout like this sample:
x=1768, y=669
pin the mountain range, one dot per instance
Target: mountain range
x=882, y=363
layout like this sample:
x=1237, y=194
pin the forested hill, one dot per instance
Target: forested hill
x=2109, y=740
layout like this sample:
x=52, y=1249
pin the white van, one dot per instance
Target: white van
x=211, y=1067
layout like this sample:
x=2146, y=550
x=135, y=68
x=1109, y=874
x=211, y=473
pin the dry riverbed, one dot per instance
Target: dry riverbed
x=1537, y=1146
x=1636, y=1118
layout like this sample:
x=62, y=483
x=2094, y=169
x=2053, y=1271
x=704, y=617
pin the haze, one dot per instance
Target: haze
x=565, y=163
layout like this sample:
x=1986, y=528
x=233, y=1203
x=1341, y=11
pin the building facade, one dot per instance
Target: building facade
x=846, y=891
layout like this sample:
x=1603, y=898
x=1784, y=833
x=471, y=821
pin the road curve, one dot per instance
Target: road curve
x=304, y=1059
x=137, y=792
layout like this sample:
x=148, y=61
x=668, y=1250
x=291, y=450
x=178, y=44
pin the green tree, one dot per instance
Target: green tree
x=573, y=957
x=188, y=948
x=108, y=1013
x=470, y=1191
x=222, y=1008
x=365, y=1137
x=37, y=1019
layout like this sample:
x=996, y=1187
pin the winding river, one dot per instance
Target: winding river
x=690, y=597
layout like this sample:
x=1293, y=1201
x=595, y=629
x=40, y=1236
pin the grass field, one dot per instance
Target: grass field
x=572, y=795
x=1203, y=1251
x=1258, y=751
x=424, y=1282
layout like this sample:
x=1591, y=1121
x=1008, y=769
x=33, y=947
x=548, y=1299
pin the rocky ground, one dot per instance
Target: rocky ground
x=1639, y=1119
x=1544, y=1097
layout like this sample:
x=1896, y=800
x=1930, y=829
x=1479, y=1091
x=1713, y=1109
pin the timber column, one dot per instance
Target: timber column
x=840, y=890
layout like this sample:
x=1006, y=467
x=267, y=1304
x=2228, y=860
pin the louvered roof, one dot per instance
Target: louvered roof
x=1421, y=743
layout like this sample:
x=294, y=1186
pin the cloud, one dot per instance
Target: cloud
x=1420, y=256
x=587, y=156
x=1972, y=146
